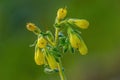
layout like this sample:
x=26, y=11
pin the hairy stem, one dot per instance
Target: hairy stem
x=56, y=35
x=61, y=72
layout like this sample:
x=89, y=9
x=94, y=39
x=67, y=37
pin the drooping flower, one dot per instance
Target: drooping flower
x=74, y=40
x=83, y=48
x=61, y=13
x=77, y=43
x=81, y=23
x=51, y=61
x=41, y=42
x=39, y=57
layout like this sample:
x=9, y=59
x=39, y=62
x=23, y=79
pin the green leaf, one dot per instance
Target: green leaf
x=55, y=52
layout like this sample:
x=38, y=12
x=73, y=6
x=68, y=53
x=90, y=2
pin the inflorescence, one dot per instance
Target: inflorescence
x=50, y=48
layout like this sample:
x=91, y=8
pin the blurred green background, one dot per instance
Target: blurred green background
x=102, y=39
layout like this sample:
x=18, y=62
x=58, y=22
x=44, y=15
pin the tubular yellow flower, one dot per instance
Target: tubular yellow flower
x=39, y=57
x=51, y=61
x=41, y=42
x=83, y=48
x=81, y=23
x=74, y=40
x=78, y=43
x=61, y=13
x=31, y=27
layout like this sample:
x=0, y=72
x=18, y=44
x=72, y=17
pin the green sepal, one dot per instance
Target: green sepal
x=71, y=49
x=65, y=48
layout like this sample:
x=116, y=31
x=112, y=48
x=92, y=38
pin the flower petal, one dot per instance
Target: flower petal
x=39, y=57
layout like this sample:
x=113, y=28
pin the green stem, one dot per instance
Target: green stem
x=37, y=31
x=56, y=35
x=61, y=72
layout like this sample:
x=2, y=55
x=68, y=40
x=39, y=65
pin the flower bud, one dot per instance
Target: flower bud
x=61, y=13
x=39, y=57
x=81, y=23
x=31, y=27
x=41, y=42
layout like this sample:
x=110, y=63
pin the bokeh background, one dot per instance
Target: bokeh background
x=102, y=39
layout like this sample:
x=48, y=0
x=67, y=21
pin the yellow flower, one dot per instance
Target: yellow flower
x=61, y=13
x=31, y=27
x=81, y=23
x=77, y=43
x=51, y=61
x=83, y=48
x=74, y=40
x=39, y=57
x=41, y=42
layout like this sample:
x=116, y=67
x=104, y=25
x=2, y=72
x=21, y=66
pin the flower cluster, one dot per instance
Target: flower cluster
x=50, y=48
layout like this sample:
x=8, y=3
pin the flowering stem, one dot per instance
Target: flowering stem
x=61, y=72
x=56, y=35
